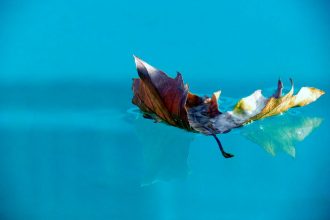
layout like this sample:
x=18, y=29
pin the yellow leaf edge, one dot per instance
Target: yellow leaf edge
x=256, y=106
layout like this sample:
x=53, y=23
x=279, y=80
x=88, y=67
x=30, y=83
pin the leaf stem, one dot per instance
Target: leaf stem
x=224, y=153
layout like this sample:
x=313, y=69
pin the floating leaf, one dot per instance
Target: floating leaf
x=163, y=98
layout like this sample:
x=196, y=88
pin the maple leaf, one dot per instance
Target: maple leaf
x=165, y=99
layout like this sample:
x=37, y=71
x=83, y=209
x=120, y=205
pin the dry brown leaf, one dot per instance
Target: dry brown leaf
x=163, y=98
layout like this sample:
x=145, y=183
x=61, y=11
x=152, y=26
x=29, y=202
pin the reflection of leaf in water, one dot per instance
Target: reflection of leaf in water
x=165, y=151
x=281, y=135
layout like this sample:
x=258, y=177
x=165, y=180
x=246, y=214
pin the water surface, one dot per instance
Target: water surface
x=72, y=146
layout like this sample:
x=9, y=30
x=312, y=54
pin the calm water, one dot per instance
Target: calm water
x=72, y=146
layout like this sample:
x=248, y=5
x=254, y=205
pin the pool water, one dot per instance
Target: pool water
x=72, y=146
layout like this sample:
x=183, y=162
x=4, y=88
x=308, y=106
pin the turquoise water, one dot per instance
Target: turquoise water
x=72, y=146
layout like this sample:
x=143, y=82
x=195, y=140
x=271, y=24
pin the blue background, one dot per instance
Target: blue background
x=73, y=147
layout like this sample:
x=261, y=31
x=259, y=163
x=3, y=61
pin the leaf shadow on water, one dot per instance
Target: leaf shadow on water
x=165, y=150
x=281, y=133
